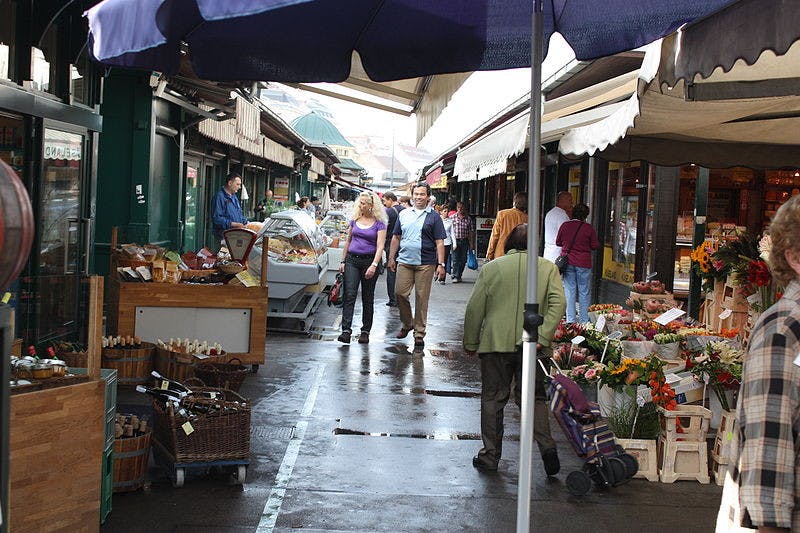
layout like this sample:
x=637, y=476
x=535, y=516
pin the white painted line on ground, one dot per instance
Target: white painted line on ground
x=272, y=509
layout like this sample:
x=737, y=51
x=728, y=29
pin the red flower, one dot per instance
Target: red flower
x=758, y=273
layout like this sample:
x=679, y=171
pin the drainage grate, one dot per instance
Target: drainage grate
x=454, y=393
x=427, y=436
x=272, y=432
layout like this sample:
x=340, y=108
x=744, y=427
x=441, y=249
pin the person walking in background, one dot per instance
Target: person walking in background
x=313, y=207
x=552, y=223
x=493, y=330
x=762, y=488
x=576, y=239
x=448, y=241
x=464, y=240
x=265, y=207
x=393, y=208
x=405, y=202
x=302, y=204
x=362, y=252
x=226, y=212
x=417, y=254
x=504, y=223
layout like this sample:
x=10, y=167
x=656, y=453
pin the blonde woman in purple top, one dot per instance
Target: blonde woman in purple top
x=361, y=256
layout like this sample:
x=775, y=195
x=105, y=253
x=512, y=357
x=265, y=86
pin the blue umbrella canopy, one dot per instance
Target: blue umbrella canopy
x=313, y=40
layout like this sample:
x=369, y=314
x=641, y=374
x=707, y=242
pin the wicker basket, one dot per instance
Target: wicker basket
x=74, y=359
x=186, y=275
x=231, y=268
x=217, y=436
x=180, y=366
x=228, y=375
x=131, y=456
x=133, y=366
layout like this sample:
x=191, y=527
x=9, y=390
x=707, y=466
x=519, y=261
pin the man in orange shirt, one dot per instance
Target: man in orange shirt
x=506, y=221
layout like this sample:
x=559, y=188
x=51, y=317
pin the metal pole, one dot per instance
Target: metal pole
x=532, y=318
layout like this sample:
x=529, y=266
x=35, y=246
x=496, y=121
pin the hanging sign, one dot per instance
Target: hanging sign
x=281, y=190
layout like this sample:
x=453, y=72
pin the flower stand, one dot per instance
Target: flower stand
x=725, y=443
x=684, y=455
x=646, y=453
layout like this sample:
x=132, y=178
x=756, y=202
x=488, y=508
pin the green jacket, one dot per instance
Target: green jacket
x=498, y=300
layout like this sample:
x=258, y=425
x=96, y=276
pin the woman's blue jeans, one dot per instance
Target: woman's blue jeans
x=576, y=288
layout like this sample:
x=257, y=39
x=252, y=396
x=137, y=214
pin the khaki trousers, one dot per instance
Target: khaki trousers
x=498, y=371
x=420, y=277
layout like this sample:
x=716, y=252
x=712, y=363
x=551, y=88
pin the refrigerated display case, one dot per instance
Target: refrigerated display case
x=334, y=230
x=297, y=263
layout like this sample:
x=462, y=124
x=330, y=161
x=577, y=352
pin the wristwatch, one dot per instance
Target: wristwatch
x=375, y=265
x=442, y=264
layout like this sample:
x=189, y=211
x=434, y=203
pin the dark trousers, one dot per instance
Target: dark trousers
x=355, y=270
x=498, y=371
x=391, y=278
x=448, y=258
x=460, y=257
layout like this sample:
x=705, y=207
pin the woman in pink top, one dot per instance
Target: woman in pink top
x=577, y=239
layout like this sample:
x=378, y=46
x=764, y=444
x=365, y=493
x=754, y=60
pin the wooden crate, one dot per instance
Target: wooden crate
x=719, y=469
x=694, y=420
x=682, y=460
x=56, y=451
x=645, y=451
x=727, y=437
x=123, y=299
x=733, y=297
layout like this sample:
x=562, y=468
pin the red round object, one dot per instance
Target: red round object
x=16, y=225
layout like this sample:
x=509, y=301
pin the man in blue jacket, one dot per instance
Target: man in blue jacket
x=226, y=212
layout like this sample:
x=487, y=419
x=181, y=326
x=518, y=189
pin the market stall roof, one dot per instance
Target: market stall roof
x=319, y=130
x=349, y=164
x=747, y=115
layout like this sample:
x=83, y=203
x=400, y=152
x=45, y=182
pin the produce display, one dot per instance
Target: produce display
x=294, y=250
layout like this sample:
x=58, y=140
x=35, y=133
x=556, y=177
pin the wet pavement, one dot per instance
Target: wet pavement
x=379, y=438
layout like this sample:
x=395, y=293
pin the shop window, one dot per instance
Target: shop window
x=7, y=38
x=80, y=78
x=622, y=213
x=43, y=62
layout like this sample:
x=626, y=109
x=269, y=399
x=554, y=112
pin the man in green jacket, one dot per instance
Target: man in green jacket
x=493, y=330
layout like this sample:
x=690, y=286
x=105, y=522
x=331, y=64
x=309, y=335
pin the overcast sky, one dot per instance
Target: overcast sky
x=469, y=108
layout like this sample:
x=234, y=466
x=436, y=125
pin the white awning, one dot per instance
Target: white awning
x=493, y=149
x=748, y=116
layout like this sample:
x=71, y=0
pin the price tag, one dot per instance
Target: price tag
x=706, y=378
x=579, y=339
x=6, y=298
x=164, y=385
x=600, y=325
x=187, y=428
x=669, y=316
x=729, y=435
x=754, y=298
x=213, y=395
x=247, y=279
x=725, y=314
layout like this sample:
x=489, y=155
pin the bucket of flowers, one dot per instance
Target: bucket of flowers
x=607, y=310
x=719, y=366
x=667, y=345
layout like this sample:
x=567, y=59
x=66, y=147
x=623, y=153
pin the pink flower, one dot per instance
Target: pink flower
x=591, y=373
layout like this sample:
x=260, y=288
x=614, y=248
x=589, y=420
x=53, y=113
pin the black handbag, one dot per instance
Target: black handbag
x=562, y=261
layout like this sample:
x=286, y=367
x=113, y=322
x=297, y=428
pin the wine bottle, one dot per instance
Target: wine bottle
x=171, y=385
x=164, y=395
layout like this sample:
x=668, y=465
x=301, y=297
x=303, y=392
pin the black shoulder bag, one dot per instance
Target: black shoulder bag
x=561, y=260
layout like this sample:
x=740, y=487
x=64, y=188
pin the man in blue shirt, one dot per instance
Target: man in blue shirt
x=419, y=236
x=226, y=212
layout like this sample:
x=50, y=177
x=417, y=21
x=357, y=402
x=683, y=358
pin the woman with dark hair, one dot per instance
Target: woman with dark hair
x=577, y=239
x=493, y=330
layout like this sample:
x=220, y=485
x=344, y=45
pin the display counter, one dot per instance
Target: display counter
x=297, y=261
x=56, y=442
x=334, y=229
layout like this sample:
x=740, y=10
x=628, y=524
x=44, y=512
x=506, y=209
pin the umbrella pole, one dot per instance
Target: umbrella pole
x=532, y=318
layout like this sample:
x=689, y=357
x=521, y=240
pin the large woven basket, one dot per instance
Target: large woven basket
x=217, y=436
x=228, y=375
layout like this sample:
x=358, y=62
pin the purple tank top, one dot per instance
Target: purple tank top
x=364, y=241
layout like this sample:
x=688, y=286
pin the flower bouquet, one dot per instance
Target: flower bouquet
x=595, y=310
x=720, y=367
x=667, y=346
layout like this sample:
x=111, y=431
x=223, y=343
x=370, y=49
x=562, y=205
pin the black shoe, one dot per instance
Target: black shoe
x=551, y=463
x=419, y=343
x=480, y=464
x=344, y=337
x=391, y=304
x=364, y=337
